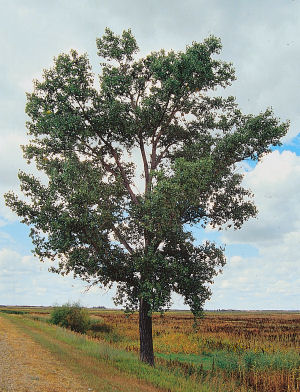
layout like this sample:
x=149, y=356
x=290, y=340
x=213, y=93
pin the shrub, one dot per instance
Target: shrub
x=71, y=316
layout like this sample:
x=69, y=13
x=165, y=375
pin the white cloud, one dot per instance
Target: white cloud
x=236, y=260
x=26, y=281
x=275, y=182
x=272, y=277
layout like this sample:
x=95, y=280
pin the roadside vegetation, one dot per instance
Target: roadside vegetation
x=226, y=352
x=71, y=316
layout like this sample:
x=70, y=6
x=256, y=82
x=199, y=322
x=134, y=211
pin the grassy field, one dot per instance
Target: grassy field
x=227, y=352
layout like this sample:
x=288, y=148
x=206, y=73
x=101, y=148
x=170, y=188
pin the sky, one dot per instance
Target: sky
x=260, y=38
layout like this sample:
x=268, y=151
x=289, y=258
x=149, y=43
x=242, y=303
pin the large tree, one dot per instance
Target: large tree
x=105, y=217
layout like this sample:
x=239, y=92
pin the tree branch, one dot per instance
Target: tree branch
x=122, y=239
x=156, y=139
x=145, y=162
x=163, y=154
x=123, y=174
x=116, y=158
x=142, y=146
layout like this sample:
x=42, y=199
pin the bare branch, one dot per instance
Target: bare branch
x=122, y=240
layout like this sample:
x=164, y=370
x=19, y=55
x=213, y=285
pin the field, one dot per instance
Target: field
x=226, y=351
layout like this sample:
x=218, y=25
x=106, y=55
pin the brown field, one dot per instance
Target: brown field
x=174, y=332
x=276, y=334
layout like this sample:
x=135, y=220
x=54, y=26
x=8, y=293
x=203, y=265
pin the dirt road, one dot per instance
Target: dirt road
x=27, y=367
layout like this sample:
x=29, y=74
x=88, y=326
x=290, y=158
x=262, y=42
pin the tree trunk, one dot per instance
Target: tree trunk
x=146, y=341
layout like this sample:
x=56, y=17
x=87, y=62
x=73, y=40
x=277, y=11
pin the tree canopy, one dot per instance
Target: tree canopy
x=133, y=163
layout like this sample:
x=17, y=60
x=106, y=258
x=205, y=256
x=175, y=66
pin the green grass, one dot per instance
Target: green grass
x=205, y=361
x=9, y=311
x=230, y=361
x=257, y=361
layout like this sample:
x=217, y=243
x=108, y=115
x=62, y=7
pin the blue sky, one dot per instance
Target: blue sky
x=260, y=38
